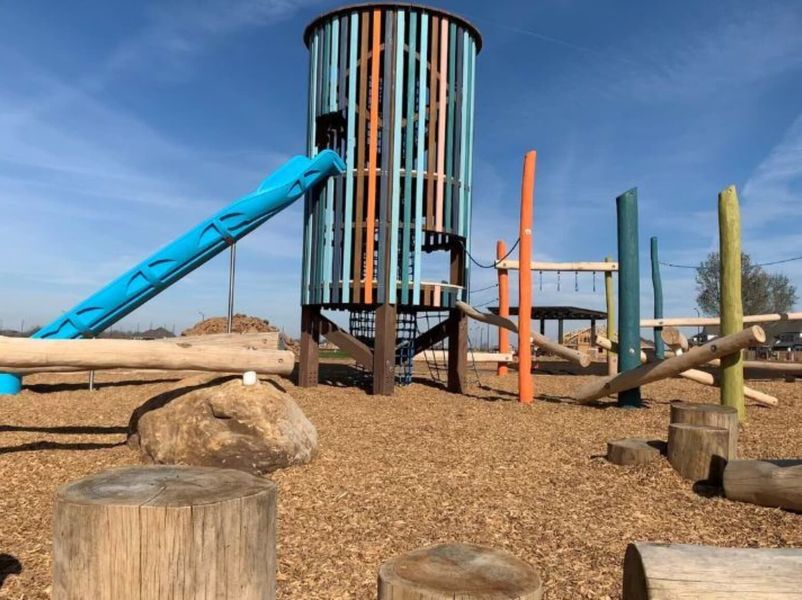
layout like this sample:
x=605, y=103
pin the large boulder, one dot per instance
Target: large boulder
x=220, y=422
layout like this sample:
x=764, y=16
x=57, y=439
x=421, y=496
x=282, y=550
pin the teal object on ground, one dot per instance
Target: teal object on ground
x=657, y=289
x=182, y=256
x=628, y=292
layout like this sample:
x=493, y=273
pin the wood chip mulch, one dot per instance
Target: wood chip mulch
x=424, y=466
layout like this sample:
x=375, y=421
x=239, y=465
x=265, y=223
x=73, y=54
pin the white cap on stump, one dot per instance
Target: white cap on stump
x=249, y=378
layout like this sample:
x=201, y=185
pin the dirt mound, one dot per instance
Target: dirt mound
x=241, y=324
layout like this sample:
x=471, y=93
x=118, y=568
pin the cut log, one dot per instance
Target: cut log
x=266, y=340
x=698, y=452
x=674, y=339
x=463, y=571
x=671, y=366
x=150, y=533
x=703, y=321
x=712, y=415
x=631, y=451
x=140, y=354
x=706, y=378
x=541, y=341
x=767, y=483
x=684, y=571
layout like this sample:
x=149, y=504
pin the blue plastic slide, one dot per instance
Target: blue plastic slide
x=204, y=241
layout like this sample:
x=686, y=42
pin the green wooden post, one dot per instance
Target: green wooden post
x=657, y=290
x=732, y=313
x=628, y=292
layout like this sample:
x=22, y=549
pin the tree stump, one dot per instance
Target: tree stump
x=459, y=572
x=157, y=532
x=777, y=484
x=631, y=451
x=698, y=452
x=712, y=415
x=673, y=571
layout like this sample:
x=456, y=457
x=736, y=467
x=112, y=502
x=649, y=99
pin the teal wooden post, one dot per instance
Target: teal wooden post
x=657, y=289
x=628, y=292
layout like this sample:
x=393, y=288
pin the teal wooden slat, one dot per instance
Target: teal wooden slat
x=449, y=191
x=396, y=187
x=628, y=292
x=311, y=151
x=421, y=146
x=328, y=211
x=350, y=159
x=469, y=163
x=464, y=128
x=320, y=207
x=406, y=238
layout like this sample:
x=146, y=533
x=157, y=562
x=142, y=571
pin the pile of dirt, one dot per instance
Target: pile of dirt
x=242, y=324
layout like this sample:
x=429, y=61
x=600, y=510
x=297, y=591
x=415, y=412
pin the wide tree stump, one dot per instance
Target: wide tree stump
x=157, y=532
x=767, y=483
x=458, y=572
x=698, y=452
x=631, y=451
x=712, y=415
x=674, y=571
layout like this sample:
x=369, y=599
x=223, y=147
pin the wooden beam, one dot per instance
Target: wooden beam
x=672, y=366
x=657, y=293
x=654, y=571
x=610, y=346
x=765, y=483
x=612, y=334
x=539, y=340
x=602, y=267
x=140, y=354
x=702, y=321
x=457, y=351
x=503, y=307
x=628, y=293
x=433, y=336
x=674, y=339
x=309, y=365
x=525, y=386
x=357, y=350
x=384, y=351
x=732, y=314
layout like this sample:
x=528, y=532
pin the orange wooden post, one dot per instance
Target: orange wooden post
x=373, y=144
x=525, y=386
x=503, y=306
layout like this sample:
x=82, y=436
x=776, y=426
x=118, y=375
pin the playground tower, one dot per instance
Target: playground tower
x=391, y=89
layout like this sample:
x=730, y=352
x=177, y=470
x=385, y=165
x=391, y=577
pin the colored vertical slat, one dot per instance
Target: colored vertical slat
x=406, y=239
x=432, y=143
x=452, y=95
x=385, y=182
x=464, y=133
x=362, y=110
x=311, y=151
x=398, y=78
x=459, y=107
x=351, y=101
x=339, y=193
x=328, y=218
x=419, y=146
x=469, y=163
x=322, y=104
x=372, y=156
x=442, y=90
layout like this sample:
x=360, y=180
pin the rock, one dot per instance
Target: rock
x=220, y=422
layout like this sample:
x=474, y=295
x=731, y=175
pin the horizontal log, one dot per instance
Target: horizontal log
x=701, y=321
x=541, y=341
x=140, y=354
x=477, y=357
x=674, y=339
x=654, y=571
x=512, y=265
x=671, y=366
x=267, y=340
x=611, y=346
x=765, y=483
x=706, y=378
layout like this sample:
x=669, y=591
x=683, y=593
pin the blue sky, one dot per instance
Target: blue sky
x=122, y=124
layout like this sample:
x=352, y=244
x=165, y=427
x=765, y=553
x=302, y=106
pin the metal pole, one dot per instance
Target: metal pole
x=232, y=267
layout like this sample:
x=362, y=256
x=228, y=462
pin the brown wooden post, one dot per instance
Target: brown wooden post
x=310, y=346
x=457, y=350
x=560, y=332
x=384, y=351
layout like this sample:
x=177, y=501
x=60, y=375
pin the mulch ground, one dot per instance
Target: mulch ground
x=421, y=467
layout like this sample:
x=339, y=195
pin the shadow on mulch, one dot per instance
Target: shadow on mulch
x=9, y=565
x=46, y=388
x=66, y=429
x=47, y=445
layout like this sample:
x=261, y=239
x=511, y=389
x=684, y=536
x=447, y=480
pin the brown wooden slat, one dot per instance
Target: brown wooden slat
x=432, y=59
x=359, y=199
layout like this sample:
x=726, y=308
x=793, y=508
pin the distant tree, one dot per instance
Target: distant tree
x=761, y=292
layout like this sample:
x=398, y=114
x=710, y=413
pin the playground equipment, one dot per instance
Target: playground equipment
x=187, y=253
x=392, y=90
x=175, y=355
